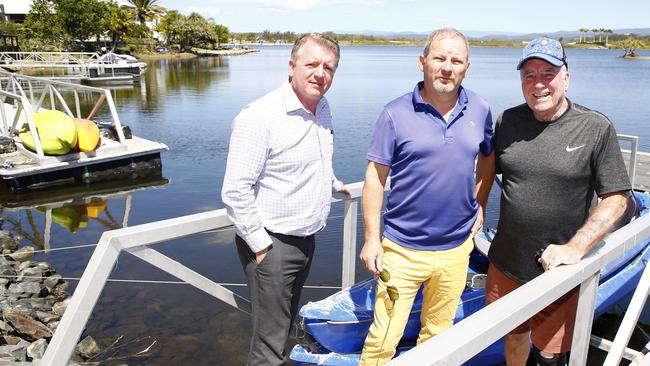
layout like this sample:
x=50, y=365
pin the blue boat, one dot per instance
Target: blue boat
x=332, y=330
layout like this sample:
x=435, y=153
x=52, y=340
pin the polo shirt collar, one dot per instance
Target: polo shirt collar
x=292, y=103
x=418, y=102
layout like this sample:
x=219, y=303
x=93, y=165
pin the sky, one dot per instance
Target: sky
x=518, y=16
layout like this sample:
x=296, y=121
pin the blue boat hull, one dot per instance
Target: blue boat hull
x=336, y=327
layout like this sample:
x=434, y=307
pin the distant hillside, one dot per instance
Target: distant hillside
x=499, y=36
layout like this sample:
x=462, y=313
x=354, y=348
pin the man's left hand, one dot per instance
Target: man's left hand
x=555, y=255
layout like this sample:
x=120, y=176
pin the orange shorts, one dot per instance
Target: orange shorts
x=552, y=328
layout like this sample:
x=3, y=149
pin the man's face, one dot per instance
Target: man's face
x=312, y=73
x=544, y=87
x=445, y=66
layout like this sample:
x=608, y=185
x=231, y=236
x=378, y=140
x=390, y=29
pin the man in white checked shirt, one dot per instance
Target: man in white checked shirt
x=277, y=190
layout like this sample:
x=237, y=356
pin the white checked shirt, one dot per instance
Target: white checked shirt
x=279, y=173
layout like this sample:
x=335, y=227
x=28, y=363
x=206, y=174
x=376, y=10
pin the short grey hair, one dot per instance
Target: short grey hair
x=321, y=40
x=444, y=33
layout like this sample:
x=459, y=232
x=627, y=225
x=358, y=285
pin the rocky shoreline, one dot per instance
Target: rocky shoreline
x=33, y=297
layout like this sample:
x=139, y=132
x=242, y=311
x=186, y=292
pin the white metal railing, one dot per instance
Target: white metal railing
x=29, y=94
x=138, y=240
x=451, y=347
x=467, y=338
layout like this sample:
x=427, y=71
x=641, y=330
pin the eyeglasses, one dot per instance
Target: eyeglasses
x=393, y=294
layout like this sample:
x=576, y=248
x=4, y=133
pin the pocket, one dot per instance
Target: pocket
x=266, y=257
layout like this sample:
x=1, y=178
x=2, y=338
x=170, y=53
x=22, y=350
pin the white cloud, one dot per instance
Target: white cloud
x=205, y=11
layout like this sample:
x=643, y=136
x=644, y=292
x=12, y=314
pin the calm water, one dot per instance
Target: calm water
x=189, y=105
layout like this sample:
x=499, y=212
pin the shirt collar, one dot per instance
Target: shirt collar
x=418, y=101
x=292, y=103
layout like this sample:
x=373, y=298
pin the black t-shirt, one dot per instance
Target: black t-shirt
x=550, y=171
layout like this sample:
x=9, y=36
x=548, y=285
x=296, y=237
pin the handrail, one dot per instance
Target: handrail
x=138, y=240
x=31, y=102
x=451, y=347
x=468, y=337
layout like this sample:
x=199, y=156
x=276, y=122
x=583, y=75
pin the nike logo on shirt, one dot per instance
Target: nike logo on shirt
x=569, y=149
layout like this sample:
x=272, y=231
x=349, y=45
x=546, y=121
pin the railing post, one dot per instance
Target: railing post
x=351, y=207
x=629, y=320
x=584, y=320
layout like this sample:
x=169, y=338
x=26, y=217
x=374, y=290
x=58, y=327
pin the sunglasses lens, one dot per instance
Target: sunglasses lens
x=384, y=275
x=393, y=295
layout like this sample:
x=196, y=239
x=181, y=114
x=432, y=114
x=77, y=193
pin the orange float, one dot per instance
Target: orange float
x=87, y=134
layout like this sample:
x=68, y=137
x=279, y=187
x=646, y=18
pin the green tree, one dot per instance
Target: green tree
x=594, y=31
x=43, y=27
x=583, y=31
x=629, y=45
x=118, y=22
x=607, y=33
x=82, y=19
x=146, y=9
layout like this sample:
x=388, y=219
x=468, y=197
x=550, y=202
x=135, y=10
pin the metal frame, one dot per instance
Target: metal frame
x=29, y=102
x=452, y=347
x=467, y=338
x=138, y=240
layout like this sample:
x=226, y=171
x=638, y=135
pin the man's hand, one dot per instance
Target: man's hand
x=555, y=255
x=259, y=256
x=372, y=256
x=478, y=224
x=344, y=189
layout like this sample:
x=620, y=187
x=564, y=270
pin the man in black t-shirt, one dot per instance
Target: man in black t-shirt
x=554, y=156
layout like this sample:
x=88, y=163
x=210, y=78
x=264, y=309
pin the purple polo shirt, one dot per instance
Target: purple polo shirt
x=432, y=204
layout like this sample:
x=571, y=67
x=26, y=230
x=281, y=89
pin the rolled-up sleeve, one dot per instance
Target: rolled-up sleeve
x=247, y=156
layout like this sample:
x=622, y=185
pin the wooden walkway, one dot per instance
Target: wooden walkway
x=642, y=180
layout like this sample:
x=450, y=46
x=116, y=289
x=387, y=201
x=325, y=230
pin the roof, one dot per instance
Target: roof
x=16, y=6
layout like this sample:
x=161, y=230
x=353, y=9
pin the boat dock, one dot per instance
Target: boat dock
x=642, y=177
x=81, y=67
x=24, y=95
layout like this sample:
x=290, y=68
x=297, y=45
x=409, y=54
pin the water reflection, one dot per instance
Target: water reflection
x=32, y=213
x=172, y=76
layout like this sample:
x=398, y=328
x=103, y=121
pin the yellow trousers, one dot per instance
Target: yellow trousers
x=442, y=273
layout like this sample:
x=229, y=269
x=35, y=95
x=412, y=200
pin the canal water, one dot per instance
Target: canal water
x=189, y=105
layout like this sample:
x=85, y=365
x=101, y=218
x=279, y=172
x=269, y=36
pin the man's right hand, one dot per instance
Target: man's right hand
x=259, y=256
x=372, y=256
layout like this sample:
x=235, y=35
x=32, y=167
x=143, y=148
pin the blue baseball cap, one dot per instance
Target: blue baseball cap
x=546, y=49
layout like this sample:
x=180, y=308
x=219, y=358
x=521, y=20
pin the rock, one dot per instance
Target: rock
x=60, y=291
x=87, y=348
x=53, y=325
x=24, y=289
x=7, y=271
x=47, y=317
x=7, y=241
x=26, y=326
x=12, y=340
x=25, y=264
x=17, y=351
x=23, y=307
x=5, y=328
x=52, y=281
x=23, y=254
x=37, y=349
x=78, y=363
x=30, y=274
x=59, y=307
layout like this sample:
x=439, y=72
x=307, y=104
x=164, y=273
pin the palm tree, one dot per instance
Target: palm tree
x=594, y=30
x=145, y=9
x=607, y=33
x=583, y=30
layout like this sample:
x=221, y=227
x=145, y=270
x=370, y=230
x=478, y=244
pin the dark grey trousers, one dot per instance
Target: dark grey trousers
x=275, y=285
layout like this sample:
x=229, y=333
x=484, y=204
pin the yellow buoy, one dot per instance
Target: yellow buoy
x=87, y=134
x=56, y=130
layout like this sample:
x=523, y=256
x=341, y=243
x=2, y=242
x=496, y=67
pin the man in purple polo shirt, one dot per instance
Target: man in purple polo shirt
x=427, y=140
